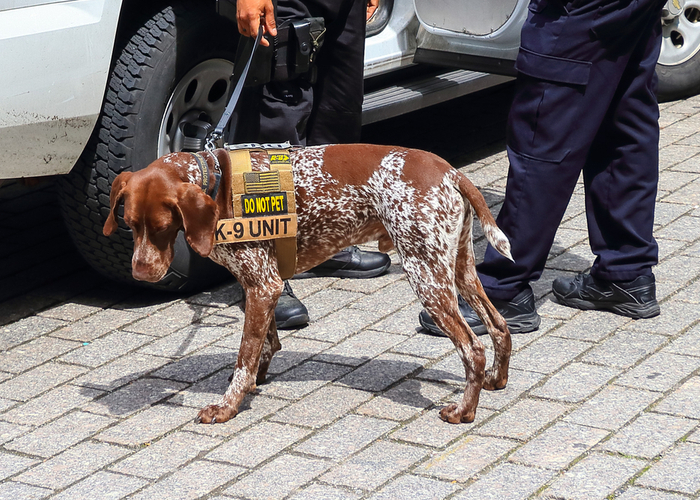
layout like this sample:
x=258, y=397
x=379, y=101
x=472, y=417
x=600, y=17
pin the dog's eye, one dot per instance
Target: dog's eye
x=161, y=226
x=160, y=223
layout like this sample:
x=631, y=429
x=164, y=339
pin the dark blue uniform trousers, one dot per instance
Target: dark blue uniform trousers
x=585, y=101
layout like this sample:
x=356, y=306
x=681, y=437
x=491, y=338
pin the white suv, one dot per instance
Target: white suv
x=89, y=88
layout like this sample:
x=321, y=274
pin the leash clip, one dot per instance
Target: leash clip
x=211, y=143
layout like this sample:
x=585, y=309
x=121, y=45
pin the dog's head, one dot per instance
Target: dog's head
x=157, y=204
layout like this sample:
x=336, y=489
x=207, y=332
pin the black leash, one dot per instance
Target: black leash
x=218, y=133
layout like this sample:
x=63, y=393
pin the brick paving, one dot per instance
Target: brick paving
x=100, y=383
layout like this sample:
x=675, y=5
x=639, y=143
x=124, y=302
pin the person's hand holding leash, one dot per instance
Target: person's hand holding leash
x=251, y=12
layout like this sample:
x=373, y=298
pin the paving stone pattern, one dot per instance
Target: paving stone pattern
x=100, y=382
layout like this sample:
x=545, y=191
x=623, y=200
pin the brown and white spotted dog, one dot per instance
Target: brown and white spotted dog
x=346, y=194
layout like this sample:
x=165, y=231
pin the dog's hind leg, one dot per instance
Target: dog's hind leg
x=472, y=291
x=442, y=307
x=256, y=269
x=431, y=275
x=427, y=239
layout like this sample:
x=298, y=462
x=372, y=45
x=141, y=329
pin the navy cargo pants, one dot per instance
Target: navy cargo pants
x=585, y=101
x=330, y=110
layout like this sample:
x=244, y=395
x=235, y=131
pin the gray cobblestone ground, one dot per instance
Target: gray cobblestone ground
x=99, y=383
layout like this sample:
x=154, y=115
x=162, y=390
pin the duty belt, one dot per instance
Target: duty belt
x=264, y=206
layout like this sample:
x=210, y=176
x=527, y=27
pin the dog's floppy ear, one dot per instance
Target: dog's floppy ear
x=115, y=198
x=199, y=216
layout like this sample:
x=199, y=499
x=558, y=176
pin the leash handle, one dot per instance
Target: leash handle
x=218, y=133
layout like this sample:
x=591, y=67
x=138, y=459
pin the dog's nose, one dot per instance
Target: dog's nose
x=143, y=270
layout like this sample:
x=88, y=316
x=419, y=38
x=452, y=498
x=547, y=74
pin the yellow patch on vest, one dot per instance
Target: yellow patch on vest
x=256, y=228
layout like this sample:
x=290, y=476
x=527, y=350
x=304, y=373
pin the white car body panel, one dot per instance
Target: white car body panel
x=471, y=17
x=489, y=28
x=50, y=97
x=394, y=46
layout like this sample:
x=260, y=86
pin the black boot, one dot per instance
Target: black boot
x=635, y=299
x=351, y=263
x=290, y=312
x=520, y=314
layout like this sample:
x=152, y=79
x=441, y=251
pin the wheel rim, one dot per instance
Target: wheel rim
x=681, y=34
x=195, y=106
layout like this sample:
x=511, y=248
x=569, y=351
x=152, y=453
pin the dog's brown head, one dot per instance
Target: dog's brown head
x=157, y=204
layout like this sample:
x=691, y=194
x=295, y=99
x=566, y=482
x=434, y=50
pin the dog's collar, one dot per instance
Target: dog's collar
x=204, y=169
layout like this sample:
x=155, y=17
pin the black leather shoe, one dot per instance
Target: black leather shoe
x=520, y=314
x=350, y=263
x=634, y=299
x=290, y=312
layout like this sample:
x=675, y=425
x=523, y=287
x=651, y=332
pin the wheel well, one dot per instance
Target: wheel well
x=135, y=12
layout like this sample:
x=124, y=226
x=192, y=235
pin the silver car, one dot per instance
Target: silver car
x=90, y=88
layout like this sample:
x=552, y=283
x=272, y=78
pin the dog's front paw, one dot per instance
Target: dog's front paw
x=454, y=414
x=216, y=414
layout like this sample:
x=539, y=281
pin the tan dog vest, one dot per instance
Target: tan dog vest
x=264, y=206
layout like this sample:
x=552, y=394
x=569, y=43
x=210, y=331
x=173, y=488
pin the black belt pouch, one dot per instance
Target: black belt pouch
x=290, y=55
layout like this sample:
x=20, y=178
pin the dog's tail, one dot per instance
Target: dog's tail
x=493, y=233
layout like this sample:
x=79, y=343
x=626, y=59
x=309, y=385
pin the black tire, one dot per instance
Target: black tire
x=678, y=68
x=679, y=81
x=149, y=68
